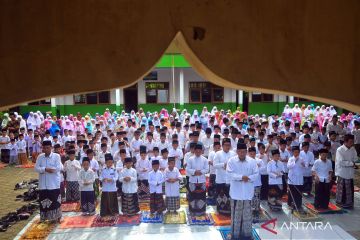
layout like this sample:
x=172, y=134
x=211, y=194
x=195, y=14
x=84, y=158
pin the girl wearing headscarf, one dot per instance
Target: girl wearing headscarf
x=22, y=122
x=54, y=127
x=195, y=116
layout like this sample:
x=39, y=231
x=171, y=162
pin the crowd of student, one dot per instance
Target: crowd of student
x=140, y=155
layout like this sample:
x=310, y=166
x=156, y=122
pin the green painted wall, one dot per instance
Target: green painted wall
x=263, y=107
x=27, y=109
x=179, y=61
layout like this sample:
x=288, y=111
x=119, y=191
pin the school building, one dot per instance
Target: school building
x=173, y=83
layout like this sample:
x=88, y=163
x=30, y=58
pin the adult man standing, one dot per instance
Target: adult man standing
x=197, y=167
x=242, y=172
x=48, y=165
x=222, y=185
x=344, y=170
x=13, y=125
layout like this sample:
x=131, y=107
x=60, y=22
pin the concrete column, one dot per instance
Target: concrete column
x=53, y=106
x=241, y=97
x=291, y=99
x=117, y=100
x=181, y=89
x=250, y=97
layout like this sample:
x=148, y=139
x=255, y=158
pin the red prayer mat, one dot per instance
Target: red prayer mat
x=104, y=221
x=77, y=222
x=182, y=171
x=30, y=165
x=126, y=221
x=2, y=165
x=332, y=208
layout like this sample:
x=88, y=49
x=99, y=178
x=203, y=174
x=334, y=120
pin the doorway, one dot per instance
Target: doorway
x=246, y=102
x=131, y=98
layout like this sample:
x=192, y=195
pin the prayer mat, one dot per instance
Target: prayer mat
x=226, y=233
x=148, y=217
x=175, y=218
x=144, y=206
x=211, y=201
x=262, y=217
x=2, y=165
x=221, y=220
x=70, y=207
x=38, y=230
x=306, y=216
x=77, y=222
x=332, y=208
x=128, y=221
x=30, y=165
x=108, y=221
x=200, y=220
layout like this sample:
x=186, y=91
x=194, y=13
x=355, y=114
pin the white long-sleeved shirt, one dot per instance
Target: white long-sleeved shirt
x=156, y=180
x=194, y=164
x=178, y=154
x=260, y=164
x=172, y=189
x=94, y=165
x=322, y=169
x=131, y=186
x=236, y=169
x=207, y=142
x=211, y=158
x=21, y=145
x=72, y=169
x=309, y=159
x=275, y=169
x=344, y=164
x=163, y=163
x=162, y=145
x=135, y=146
x=264, y=158
x=284, y=157
x=296, y=170
x=109, y=173
x=86, y=177
x=47, y=180
x=220, y=160
x=143, y=164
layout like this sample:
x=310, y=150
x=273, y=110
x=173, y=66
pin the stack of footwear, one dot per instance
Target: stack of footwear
x=20, y=214
x=32, y=193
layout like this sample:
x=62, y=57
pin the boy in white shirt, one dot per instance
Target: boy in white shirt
x=129, y=199
x=21, y=144
x=275, y=169
x=176, y=152
x=255, y=203
x=164, y=159
x=322, y=172
x=13, y=152
x=172, y=186
x=143, y=167
x=86, y=181
x=156, y=179
x=72, y=168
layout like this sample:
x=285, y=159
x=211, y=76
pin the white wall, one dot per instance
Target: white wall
x=164, y=75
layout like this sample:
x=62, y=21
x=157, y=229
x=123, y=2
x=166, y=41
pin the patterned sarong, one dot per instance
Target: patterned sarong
x=197, y=199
